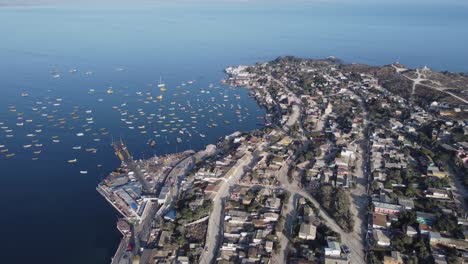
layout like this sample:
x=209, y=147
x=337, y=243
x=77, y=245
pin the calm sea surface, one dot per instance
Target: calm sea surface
x=50, y=213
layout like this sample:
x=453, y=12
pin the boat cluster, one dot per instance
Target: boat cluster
x=157, y=113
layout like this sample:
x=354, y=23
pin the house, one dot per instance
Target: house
x=380, y=221
x=333, y=249
x=164, y=238
x=269, y=246
x=395, y=258
x=462, y=221
x=436, y=239
x=437, y=193
x=411, y=231
x=271, y=217
x=307, y=231
x=254, y=253
x=183, y=260
x=407, y=203
x=439, y=259
x=273, y=203
x=386, y=208
x=333, y=260
x=425, y=218
x=434, y=171
x=380, y=238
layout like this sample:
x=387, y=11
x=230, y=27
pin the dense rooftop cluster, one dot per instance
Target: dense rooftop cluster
x=354, y=166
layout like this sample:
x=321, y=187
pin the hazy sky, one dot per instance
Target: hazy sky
x=359, y=2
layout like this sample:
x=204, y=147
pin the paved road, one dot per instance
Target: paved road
x=120, y=147
x=359, y=195
x=352, y=240
x=215, y=223
x=290, y=214
x=296, y=109
x=321, y=122
x=121, y=252
x=175, y=175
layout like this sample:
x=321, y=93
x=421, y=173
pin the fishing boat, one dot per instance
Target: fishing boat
x=161, y=84
x=160, y=97
x=83, y=172
x=79, y=134
x=77, y=148
x=10, y=155
x=73, y=161
x=179, y=140
x=152, y=144
x=110, y=91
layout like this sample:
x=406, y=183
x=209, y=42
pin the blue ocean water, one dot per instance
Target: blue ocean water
x=51, y=213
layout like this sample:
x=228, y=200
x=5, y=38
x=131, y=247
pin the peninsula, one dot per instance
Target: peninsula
x=356, y=164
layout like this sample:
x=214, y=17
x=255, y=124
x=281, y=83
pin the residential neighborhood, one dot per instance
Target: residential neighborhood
x=347, y=170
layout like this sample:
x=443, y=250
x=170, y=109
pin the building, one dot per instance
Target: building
x=425, y=218
x=437, y=193
x=307, y=231
x=333, y=249
x=380, y=238
x=269, y=246
x=395, y=258
x=407, y=203
x=387, y=209
x=332, y=260
x=380, y=221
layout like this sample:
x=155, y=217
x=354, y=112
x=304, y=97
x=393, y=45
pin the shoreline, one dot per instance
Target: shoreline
x=287, y=115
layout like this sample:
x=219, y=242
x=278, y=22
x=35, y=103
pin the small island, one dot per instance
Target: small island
x=356, y=164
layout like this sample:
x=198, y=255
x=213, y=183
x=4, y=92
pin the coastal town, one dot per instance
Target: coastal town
x=355, y=164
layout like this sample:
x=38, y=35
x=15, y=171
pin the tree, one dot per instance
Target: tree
x=410, y=191
x=326, y=196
